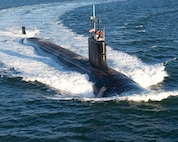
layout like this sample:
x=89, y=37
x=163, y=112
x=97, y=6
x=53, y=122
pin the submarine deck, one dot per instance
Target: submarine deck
x=62, y=53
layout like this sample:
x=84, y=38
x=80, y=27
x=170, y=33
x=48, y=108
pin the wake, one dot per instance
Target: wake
x=38, y=66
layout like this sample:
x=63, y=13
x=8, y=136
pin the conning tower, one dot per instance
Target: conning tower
x=96, y=44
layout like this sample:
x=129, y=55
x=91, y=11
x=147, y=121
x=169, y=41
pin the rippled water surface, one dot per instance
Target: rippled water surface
x=43, y=100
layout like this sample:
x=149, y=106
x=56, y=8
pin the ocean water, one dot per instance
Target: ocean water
x=43, y=100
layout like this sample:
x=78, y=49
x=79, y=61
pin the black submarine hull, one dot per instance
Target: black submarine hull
x=107, y=81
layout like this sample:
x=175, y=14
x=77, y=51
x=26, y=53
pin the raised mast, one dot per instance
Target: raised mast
x=93, y=21
x=96, y=29
x=96, y=44
x=94, y=18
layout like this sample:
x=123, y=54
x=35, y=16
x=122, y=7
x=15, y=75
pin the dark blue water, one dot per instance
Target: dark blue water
x=147, y=30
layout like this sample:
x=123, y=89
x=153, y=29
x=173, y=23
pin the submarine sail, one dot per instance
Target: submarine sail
x=96, y=44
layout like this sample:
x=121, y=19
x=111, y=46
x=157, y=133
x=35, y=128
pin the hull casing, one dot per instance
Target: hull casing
x=106, y=81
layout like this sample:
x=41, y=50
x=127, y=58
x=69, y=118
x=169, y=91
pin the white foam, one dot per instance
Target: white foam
x=43, y=21
x=145, y=75
x=144, y=97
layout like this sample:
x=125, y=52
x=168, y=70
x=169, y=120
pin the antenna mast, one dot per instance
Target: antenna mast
x=94, y=18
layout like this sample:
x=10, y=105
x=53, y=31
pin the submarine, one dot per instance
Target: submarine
x=107, y=82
